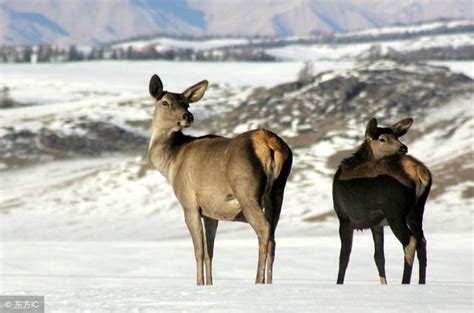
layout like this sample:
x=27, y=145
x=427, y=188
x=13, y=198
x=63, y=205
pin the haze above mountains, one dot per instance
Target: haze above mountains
x=95, y=22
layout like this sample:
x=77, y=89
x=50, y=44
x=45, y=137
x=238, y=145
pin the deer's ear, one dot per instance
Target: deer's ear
x=371, y=128
x=195, y=92
x=400, y=128
x=155, y=87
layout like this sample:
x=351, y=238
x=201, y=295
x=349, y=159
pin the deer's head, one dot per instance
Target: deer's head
x=383, y=141
x=171, y=109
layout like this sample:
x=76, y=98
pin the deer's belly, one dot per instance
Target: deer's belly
x=227, y=209
x=367, y=201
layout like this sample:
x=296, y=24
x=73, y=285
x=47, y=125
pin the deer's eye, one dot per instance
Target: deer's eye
x=382, y=140
x=165, y=103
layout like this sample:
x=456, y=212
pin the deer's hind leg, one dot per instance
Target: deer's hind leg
x=210, y=228
x=409, y=242
x=254, y=215
x=272, y=213
x=415, y=222
x=248, y=182
x=273, y=206
x=249, y=197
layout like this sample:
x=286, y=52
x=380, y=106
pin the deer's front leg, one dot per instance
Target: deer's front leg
x=193, y=221
x=346, y=233
x=379, y=256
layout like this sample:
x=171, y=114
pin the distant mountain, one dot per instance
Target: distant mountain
x=94, y=22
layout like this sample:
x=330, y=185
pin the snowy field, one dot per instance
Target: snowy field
x=92, y=236
x=118, y=276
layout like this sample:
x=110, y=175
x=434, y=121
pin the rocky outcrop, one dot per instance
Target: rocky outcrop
x=85, y=138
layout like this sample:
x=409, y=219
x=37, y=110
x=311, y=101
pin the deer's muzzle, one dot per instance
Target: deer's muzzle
x=188, y=117
x=403, y=149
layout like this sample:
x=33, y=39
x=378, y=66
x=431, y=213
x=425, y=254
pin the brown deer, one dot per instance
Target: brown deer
x=381, y=184
x=217, y=178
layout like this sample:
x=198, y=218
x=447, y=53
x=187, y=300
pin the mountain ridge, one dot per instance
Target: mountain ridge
x=97, y=22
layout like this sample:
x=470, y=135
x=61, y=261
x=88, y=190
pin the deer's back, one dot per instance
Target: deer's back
x=367, y=201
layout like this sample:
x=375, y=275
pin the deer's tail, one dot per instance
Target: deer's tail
x=272, y=151
x=280, y=153
x=276, y=159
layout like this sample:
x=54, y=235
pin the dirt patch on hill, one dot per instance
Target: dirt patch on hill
x=453, y=173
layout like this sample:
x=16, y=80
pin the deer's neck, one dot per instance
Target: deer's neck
x=163, y=149
x=362, y=155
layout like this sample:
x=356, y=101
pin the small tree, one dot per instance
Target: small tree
x=374, y=53
x=306, y=73
x=73, y=54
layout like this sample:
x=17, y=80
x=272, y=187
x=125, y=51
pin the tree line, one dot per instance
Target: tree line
x=51, y=53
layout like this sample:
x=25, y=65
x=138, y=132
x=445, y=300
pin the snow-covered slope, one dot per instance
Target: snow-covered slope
x=412, y=30
x=97, y=133
x=409, y=39
x=362, y=48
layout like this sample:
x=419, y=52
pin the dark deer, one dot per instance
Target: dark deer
x=217, y=178
x=381, y=184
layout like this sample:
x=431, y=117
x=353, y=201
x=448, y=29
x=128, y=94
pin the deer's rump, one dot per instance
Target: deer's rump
x=365, y=202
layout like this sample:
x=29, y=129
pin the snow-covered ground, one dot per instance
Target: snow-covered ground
x=465, y=67
x=92, y=235
x=125, y=77
x=409, y=29
x=124, y=276
x=345, y=52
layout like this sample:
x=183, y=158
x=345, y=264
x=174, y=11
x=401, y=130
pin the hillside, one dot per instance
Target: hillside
x=96, y=22
x=101, y=135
